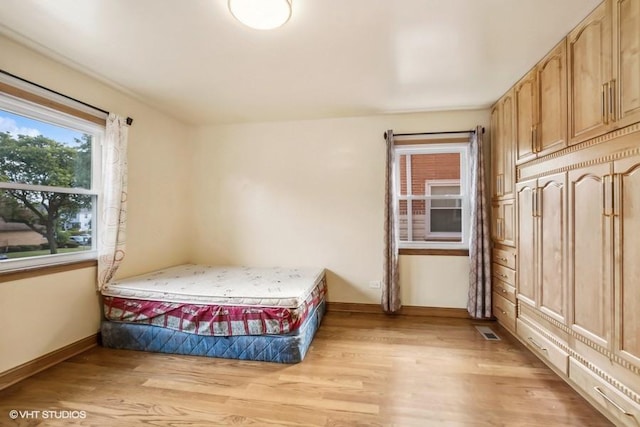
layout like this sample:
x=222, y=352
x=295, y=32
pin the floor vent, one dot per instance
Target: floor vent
x=487, y=333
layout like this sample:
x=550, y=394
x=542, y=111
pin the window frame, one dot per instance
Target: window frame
x=462, y=148
x=36, y=111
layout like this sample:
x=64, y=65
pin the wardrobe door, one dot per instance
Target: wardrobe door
x=626, y=205
x=591, y=252
x=526, y=242
x=552, y=239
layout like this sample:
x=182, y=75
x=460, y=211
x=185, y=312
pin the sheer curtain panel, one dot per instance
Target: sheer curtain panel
x=113, y=218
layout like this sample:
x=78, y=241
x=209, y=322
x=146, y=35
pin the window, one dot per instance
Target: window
x=432, y=195
x=49, y=176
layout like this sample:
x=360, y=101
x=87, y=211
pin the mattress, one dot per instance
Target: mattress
x=214, y=319
x=288, y=348
x=211, y=285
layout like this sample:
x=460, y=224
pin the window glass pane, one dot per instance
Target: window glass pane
x=39, y=153
x=433, y=167
x=446, y=203
x=44, y=222
x=446, y=221
x=417, y=219
x=403, y=207
x=444, y=190
x=418, y=227
x=418, y=207
x=402, y=220
x=403, y=175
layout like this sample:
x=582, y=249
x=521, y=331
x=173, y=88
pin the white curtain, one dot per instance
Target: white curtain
x=113, y=203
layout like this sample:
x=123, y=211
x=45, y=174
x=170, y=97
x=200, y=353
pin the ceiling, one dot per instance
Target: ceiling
x=333, y=58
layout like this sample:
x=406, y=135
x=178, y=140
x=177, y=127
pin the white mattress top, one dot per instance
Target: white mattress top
x=203, y=284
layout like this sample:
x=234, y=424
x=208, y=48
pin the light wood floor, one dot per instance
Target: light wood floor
x=362, y=370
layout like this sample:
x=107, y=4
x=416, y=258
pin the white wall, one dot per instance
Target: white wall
x=434, y=281
x=42, y=314
x=310, y=193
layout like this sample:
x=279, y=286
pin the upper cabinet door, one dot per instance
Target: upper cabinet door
x=551, y=131
x=502, y=146
x=589, y=48
x=525, y=117
x=625, y=90
x=507, y=143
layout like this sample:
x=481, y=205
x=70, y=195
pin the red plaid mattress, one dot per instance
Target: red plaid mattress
x=213, y=320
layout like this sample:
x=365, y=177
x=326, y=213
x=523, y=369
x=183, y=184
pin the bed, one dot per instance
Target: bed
x=267, y=314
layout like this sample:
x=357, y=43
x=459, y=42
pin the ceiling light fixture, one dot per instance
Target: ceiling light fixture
x=261, y=14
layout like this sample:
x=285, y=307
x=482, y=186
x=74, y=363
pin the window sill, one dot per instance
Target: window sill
x=446, y=252
x=42, y=270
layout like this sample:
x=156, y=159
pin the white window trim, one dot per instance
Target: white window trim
x=41, y=113
x=463, y=149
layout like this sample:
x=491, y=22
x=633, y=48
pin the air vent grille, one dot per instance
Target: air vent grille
x=488, y=333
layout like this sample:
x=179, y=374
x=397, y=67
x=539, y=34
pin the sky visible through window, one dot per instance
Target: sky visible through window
x=18, y=125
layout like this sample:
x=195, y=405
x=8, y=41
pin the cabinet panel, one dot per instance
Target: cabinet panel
x=496, y=223
x=627, y=39
x=552, y=240
x=589, y=51
x=525, y=117
x=590, y=281
x=627, y=221
x=509, y=218
x=551, y=131
x=526, y=259
x=497, y=165
x=503, y=217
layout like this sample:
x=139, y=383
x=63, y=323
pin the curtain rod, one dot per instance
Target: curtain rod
x=433, y=133
x=129, y=119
